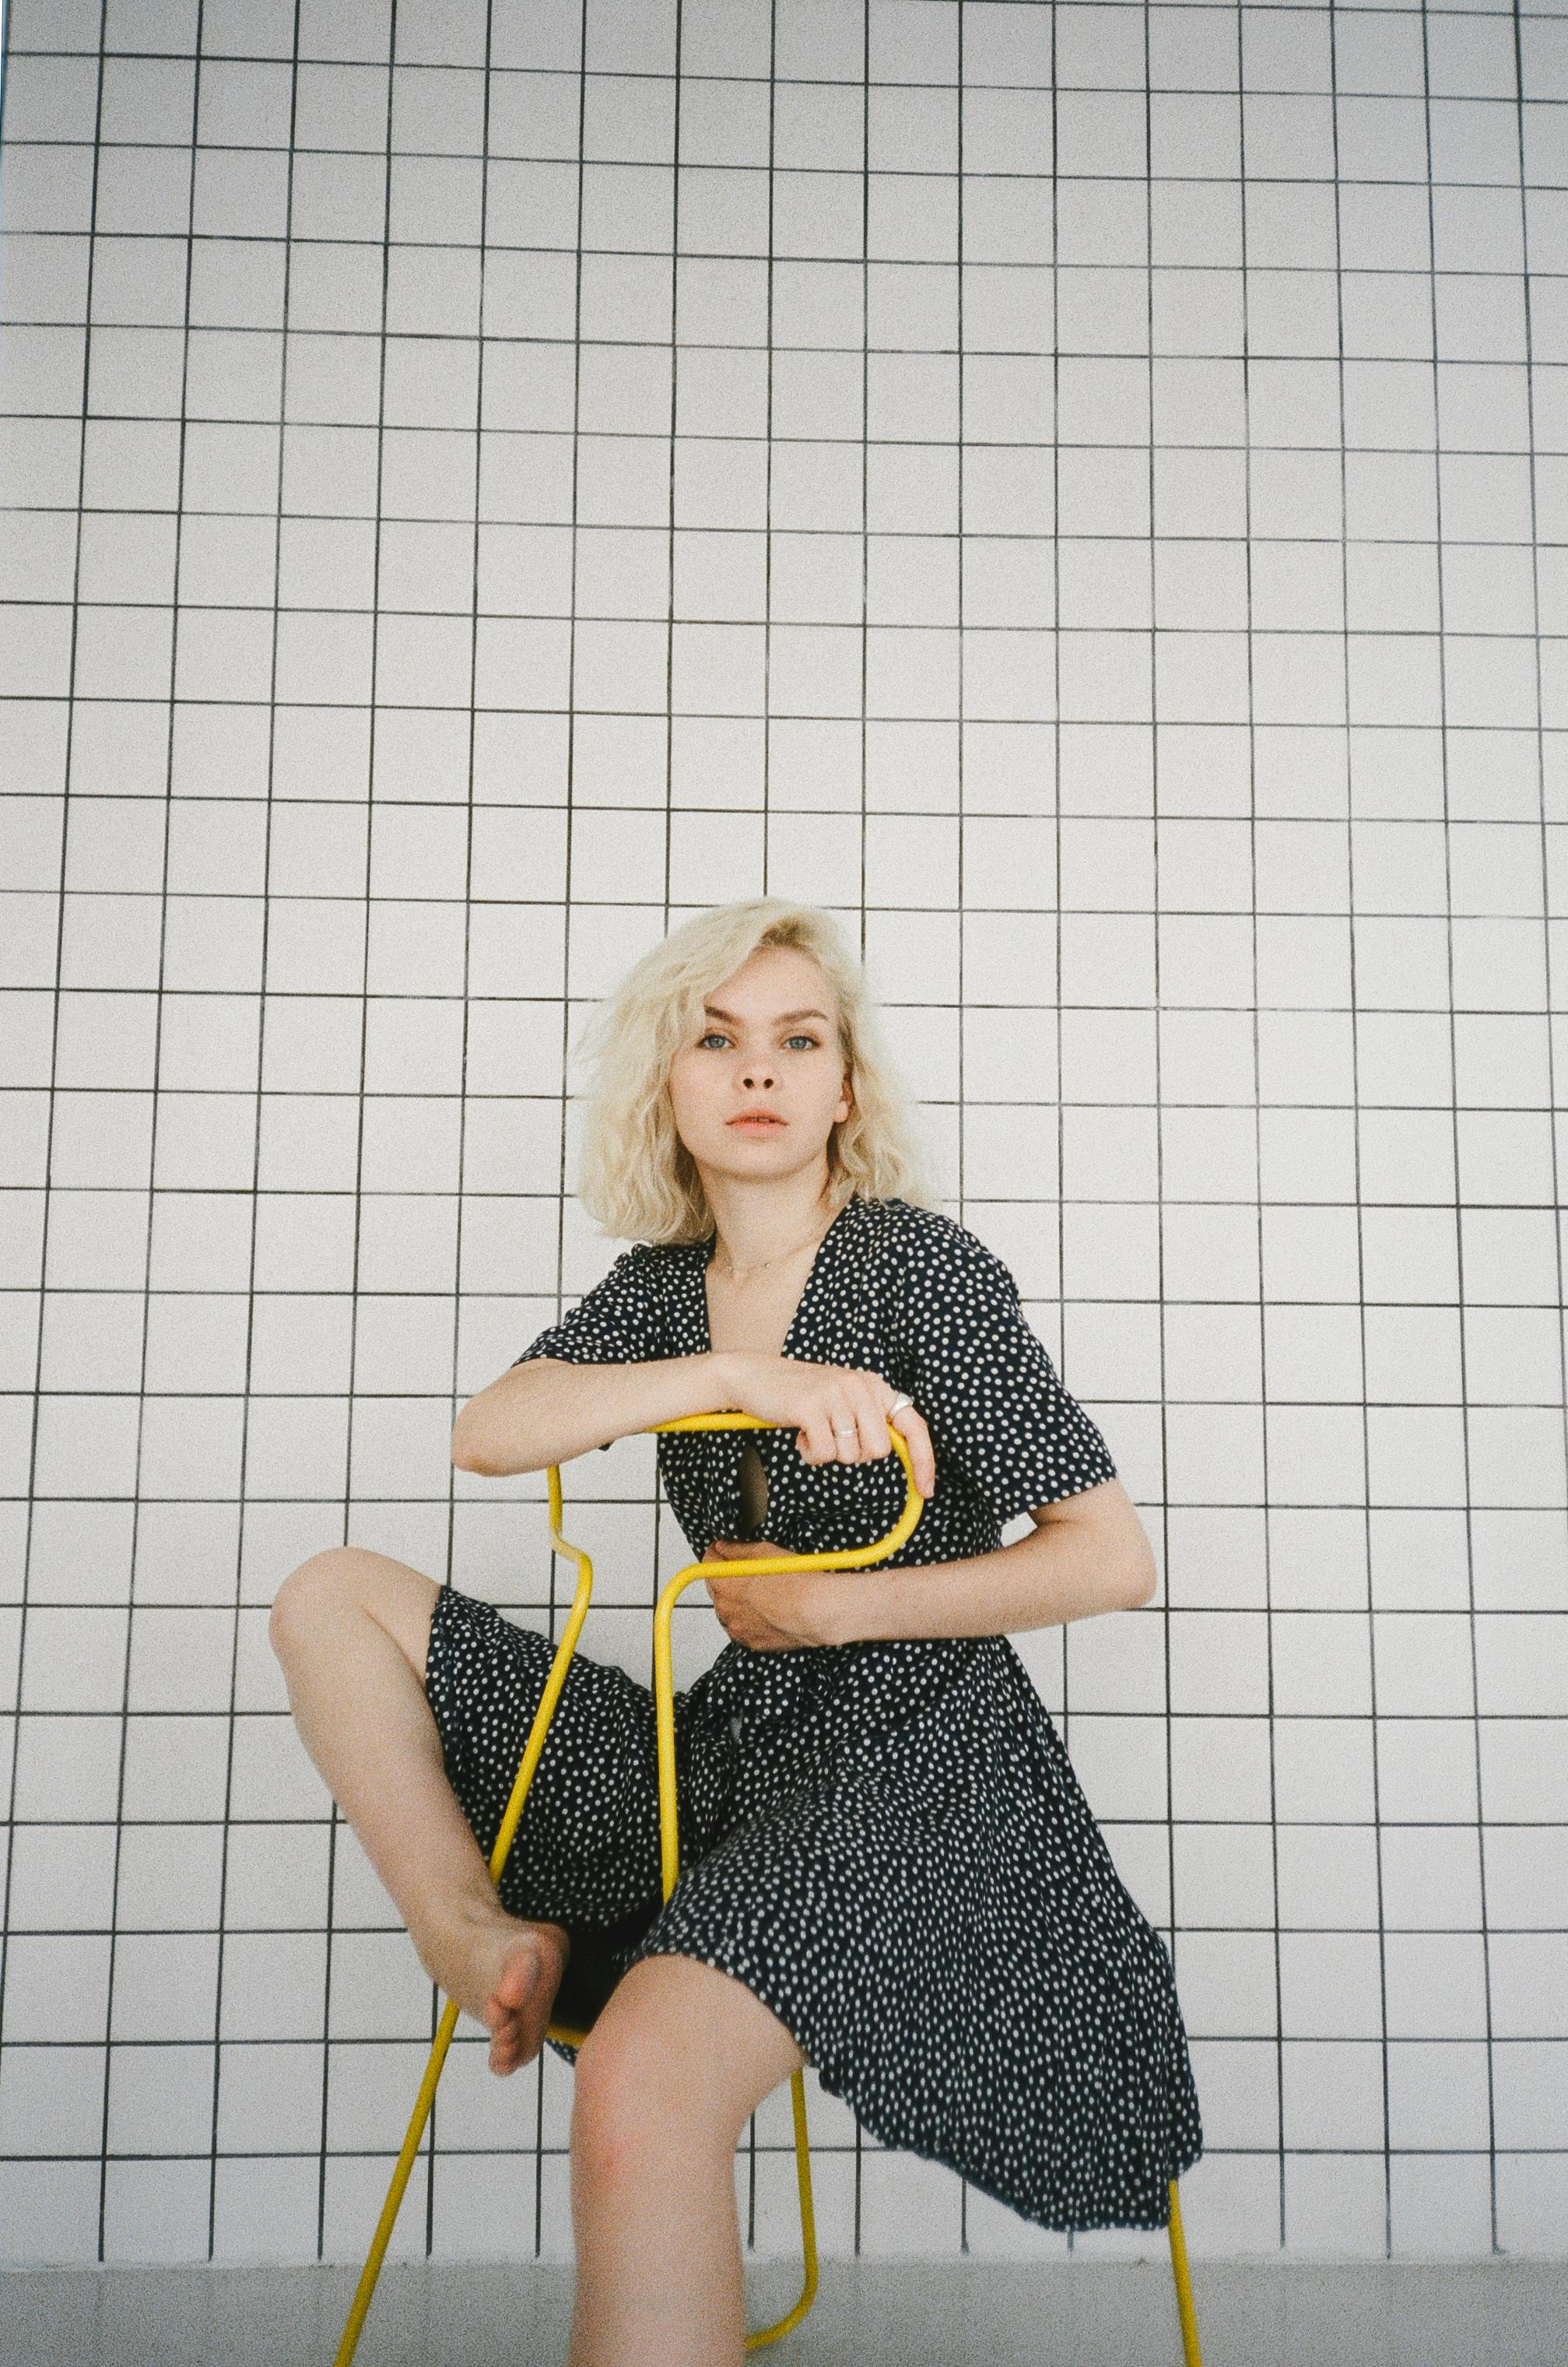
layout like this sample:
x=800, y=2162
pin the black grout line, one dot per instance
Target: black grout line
x=1385, y=2094
x=552, y=1606
x=1087, y=176
x=1198, y=1608
x=28, y=1539
x=416, y=1094
x=1282, y=2195
x=963, y=20
x=1285, y=356
x=458, y=1302
x=335, y=1820
x=864, y=746
x=238, y=1605
x=863, y=850
x=1156, y=786
x=146, y=1293
x=1155, y=1822
x=1490, y=1824
x=1059, y=1656
x=1132, y=447
x=1458, y=1171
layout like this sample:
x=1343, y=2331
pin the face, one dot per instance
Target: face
x=759, y=1084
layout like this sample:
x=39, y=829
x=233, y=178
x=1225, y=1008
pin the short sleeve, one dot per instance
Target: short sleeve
x=982, y=1378
x=613, y=1323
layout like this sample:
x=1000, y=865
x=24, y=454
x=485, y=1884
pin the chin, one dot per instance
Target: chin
x=758, y=1147
x=749, y=1153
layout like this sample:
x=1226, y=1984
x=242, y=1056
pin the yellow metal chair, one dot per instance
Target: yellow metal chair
x=855, y=1557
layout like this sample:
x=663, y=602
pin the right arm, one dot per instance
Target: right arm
x=545, y=1410
x=548, y=1410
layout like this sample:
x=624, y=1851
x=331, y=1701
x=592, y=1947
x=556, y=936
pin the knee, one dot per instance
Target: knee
x=617, y=2116
x=639, y=2099
x=325, y=1577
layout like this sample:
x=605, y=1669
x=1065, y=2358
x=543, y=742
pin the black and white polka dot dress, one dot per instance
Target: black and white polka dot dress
x=885, y=1840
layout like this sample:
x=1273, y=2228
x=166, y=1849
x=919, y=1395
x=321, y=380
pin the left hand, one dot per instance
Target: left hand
x=777, y=1613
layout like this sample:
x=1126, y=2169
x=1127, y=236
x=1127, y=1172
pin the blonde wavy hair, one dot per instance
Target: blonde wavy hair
x=636, y=1178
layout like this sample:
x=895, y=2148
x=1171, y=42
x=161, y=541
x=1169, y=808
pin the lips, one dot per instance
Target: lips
x=758, y=1123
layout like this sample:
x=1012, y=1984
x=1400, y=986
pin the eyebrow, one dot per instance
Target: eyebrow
x=712, y=1010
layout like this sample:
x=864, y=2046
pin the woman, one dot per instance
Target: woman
x=888, y=1870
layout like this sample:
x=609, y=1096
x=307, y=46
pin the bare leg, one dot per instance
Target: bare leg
x=667, y=2079
x=350, y=1629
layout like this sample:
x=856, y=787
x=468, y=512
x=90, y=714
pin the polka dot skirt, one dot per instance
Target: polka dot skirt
x=885, y=1840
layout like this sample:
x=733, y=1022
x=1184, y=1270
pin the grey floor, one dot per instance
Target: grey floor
x=1250, y=2314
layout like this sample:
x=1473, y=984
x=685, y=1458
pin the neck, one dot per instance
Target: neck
x=758, y=1224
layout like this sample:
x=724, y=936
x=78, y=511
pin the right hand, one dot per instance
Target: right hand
x=839, y=1411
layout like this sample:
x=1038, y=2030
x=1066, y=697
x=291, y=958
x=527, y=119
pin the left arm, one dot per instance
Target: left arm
x=1087, y=1552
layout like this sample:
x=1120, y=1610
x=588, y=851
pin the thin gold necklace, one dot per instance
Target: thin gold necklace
x=810, y=1238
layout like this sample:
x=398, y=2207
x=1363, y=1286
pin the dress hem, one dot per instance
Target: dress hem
x=899, y=2145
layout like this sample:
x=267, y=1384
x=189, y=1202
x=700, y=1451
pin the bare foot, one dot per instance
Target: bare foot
x=502, y=1971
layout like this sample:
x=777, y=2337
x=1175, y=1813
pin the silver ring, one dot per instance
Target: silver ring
x=843, y=1429
x=896, y=1403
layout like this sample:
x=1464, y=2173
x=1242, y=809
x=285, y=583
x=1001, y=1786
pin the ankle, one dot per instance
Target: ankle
x=437, y=1922
x=464, y=1913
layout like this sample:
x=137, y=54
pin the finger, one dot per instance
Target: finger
x=821, y=1447
x=873, y=1426
x=917, y=1438
x=823, y=1429
x=849, y=1443
x=872, y=1415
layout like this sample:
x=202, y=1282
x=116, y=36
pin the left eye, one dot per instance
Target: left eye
x=716, y=1035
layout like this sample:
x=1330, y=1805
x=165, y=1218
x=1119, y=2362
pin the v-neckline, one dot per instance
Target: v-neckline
x=706, y=1249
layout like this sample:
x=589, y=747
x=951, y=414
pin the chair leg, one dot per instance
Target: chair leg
x=1184, y=2311
x=807, y=2225
x=365, y=2291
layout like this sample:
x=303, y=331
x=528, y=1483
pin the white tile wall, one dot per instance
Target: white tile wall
x=1080, y=490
